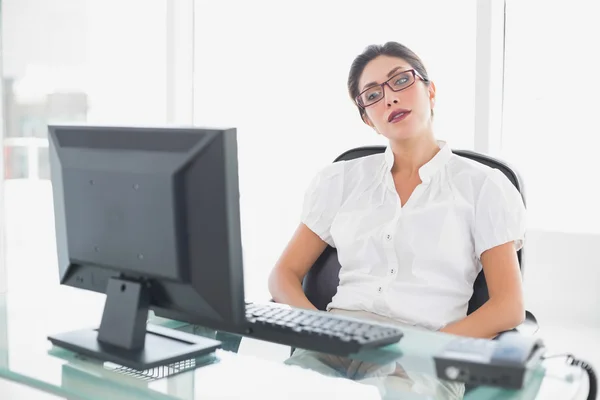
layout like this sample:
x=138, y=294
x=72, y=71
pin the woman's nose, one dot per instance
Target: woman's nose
x=391, y=97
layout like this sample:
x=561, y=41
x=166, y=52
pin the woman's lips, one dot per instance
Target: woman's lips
x=398, y=116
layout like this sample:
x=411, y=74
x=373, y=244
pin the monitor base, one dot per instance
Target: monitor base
x=163, y=346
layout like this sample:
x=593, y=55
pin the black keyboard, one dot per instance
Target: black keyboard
x=316, y=330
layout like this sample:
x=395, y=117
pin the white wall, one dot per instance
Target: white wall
x=551, y=135
x=551, y=104
x=126, y=61
x=562, y=278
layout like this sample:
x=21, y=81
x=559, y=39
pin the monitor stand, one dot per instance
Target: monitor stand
x=123, y=337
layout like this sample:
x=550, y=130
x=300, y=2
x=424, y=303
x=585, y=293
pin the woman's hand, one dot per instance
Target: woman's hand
x=505, y=309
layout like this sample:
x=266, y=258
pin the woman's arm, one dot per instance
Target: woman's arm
x=505, y=309
x=285, y=281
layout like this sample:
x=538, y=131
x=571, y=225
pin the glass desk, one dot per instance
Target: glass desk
x=404, y=370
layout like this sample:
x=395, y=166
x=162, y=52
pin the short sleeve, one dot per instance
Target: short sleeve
x=500, y=215
x=322, y=201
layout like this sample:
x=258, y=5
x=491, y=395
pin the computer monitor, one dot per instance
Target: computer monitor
x=150, y=217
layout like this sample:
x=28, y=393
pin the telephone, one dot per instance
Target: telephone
x=504, y=362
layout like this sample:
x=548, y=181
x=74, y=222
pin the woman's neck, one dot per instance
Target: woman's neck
x=412, y=154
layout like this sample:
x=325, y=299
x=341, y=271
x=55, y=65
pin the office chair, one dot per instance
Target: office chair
x=321, y=282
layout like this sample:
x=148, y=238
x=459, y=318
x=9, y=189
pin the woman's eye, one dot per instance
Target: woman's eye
x=401, y=81
x=372, y=96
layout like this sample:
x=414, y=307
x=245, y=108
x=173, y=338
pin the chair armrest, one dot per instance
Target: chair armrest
x=530, y=326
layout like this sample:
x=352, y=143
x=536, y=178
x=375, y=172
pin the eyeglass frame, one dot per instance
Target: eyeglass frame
x=415, y=74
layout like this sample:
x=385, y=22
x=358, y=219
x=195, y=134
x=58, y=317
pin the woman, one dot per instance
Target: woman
x=413, y=226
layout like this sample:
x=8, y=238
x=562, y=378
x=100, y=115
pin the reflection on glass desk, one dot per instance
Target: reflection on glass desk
x=404, y=370
x=10, y=390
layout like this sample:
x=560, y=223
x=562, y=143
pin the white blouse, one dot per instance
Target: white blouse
x=414, y=263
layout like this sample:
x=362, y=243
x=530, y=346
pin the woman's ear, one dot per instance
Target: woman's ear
x=431, y=95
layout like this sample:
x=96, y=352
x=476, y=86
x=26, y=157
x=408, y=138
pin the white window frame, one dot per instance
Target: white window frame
x=180, y=62
x=3, y=269
x=489, y=75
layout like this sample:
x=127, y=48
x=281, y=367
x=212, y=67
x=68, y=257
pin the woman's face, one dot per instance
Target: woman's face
x=398, y=115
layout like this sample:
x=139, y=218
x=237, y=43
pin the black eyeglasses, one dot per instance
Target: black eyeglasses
x=397, y=83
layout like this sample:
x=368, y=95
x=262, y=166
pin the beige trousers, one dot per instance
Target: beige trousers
x=392, y=379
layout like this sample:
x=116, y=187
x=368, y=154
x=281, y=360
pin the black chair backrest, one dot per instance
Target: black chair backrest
x=321, y=282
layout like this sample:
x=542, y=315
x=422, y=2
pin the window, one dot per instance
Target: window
x=262, y=75
x=79, y=61
x=549, y=128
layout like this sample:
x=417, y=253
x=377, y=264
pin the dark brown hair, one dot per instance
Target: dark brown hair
x=391, y=49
